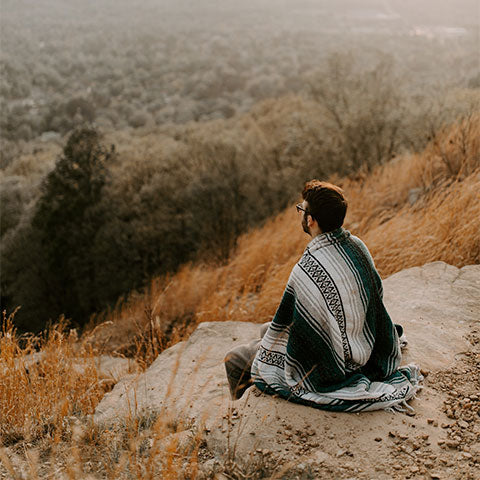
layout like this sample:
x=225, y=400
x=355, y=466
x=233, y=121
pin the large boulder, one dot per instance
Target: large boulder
x=189, y=376
x=439, y=308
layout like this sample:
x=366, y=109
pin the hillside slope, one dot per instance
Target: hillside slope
x=416, y=209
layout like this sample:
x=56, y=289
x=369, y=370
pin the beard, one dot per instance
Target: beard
x=305, y=225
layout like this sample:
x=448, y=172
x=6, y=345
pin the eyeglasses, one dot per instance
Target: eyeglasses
x=299, y=208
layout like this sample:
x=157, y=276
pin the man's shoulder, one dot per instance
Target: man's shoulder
x=358, y=241
x=341, y=249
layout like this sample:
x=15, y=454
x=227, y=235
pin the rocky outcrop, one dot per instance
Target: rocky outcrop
x=439, y=308
x=189, y=377
x=436, y=304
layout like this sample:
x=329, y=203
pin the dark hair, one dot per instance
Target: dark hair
x=326, y=204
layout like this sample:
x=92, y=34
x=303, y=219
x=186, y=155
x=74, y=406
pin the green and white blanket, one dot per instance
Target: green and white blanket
x=332, y=344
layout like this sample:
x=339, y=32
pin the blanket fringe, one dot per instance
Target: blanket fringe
x=402, y=407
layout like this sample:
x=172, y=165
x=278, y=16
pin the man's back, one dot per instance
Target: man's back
x=331, y=315
x=332, y=339
x=331, y=343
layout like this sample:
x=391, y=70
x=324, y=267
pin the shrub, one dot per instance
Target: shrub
x=49, y=267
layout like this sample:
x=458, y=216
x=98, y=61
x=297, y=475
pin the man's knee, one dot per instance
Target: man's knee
x=264, y=328
x=238, y=363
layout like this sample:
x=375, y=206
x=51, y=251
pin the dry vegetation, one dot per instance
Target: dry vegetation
x=37, y=397
x=217, y=114
x=45, y=417
x=415, y=209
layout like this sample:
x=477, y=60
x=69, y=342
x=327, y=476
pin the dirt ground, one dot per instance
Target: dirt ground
x=440, y=439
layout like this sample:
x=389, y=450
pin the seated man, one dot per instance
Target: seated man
x=331, y=344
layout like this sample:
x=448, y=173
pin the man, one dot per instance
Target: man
x=331, y=344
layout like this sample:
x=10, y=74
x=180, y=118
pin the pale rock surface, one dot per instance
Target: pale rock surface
x=188, y=376
x=115, y=367
x=438, y=306
x=107, y=366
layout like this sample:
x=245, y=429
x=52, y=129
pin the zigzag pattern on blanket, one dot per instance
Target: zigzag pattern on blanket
x=331, y=343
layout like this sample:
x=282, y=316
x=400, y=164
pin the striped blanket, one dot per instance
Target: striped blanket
x=332, y=344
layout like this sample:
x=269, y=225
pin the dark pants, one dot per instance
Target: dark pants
x=238, y=363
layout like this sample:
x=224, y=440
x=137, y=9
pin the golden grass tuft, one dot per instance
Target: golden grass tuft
x=39, y=390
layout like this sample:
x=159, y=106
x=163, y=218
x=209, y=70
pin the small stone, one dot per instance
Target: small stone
x=378, y=439
x=462, y=424
x=340, y=453
x=452, y=443
x=430, y=420
x=321, y=457
x=397, y=466
x=467, y=455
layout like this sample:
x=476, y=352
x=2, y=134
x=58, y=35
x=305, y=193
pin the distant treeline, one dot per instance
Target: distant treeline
x=108, y=218
x=122, y=64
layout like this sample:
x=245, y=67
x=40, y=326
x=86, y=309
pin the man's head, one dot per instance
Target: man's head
x=324, y=207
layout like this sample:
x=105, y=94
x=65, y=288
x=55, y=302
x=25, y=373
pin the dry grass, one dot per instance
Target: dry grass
x=37, y=395
x=47, y=398
x=443, y=223
x=45, y=406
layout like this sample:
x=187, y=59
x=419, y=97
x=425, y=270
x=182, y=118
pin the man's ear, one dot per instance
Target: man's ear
x=310, y=221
